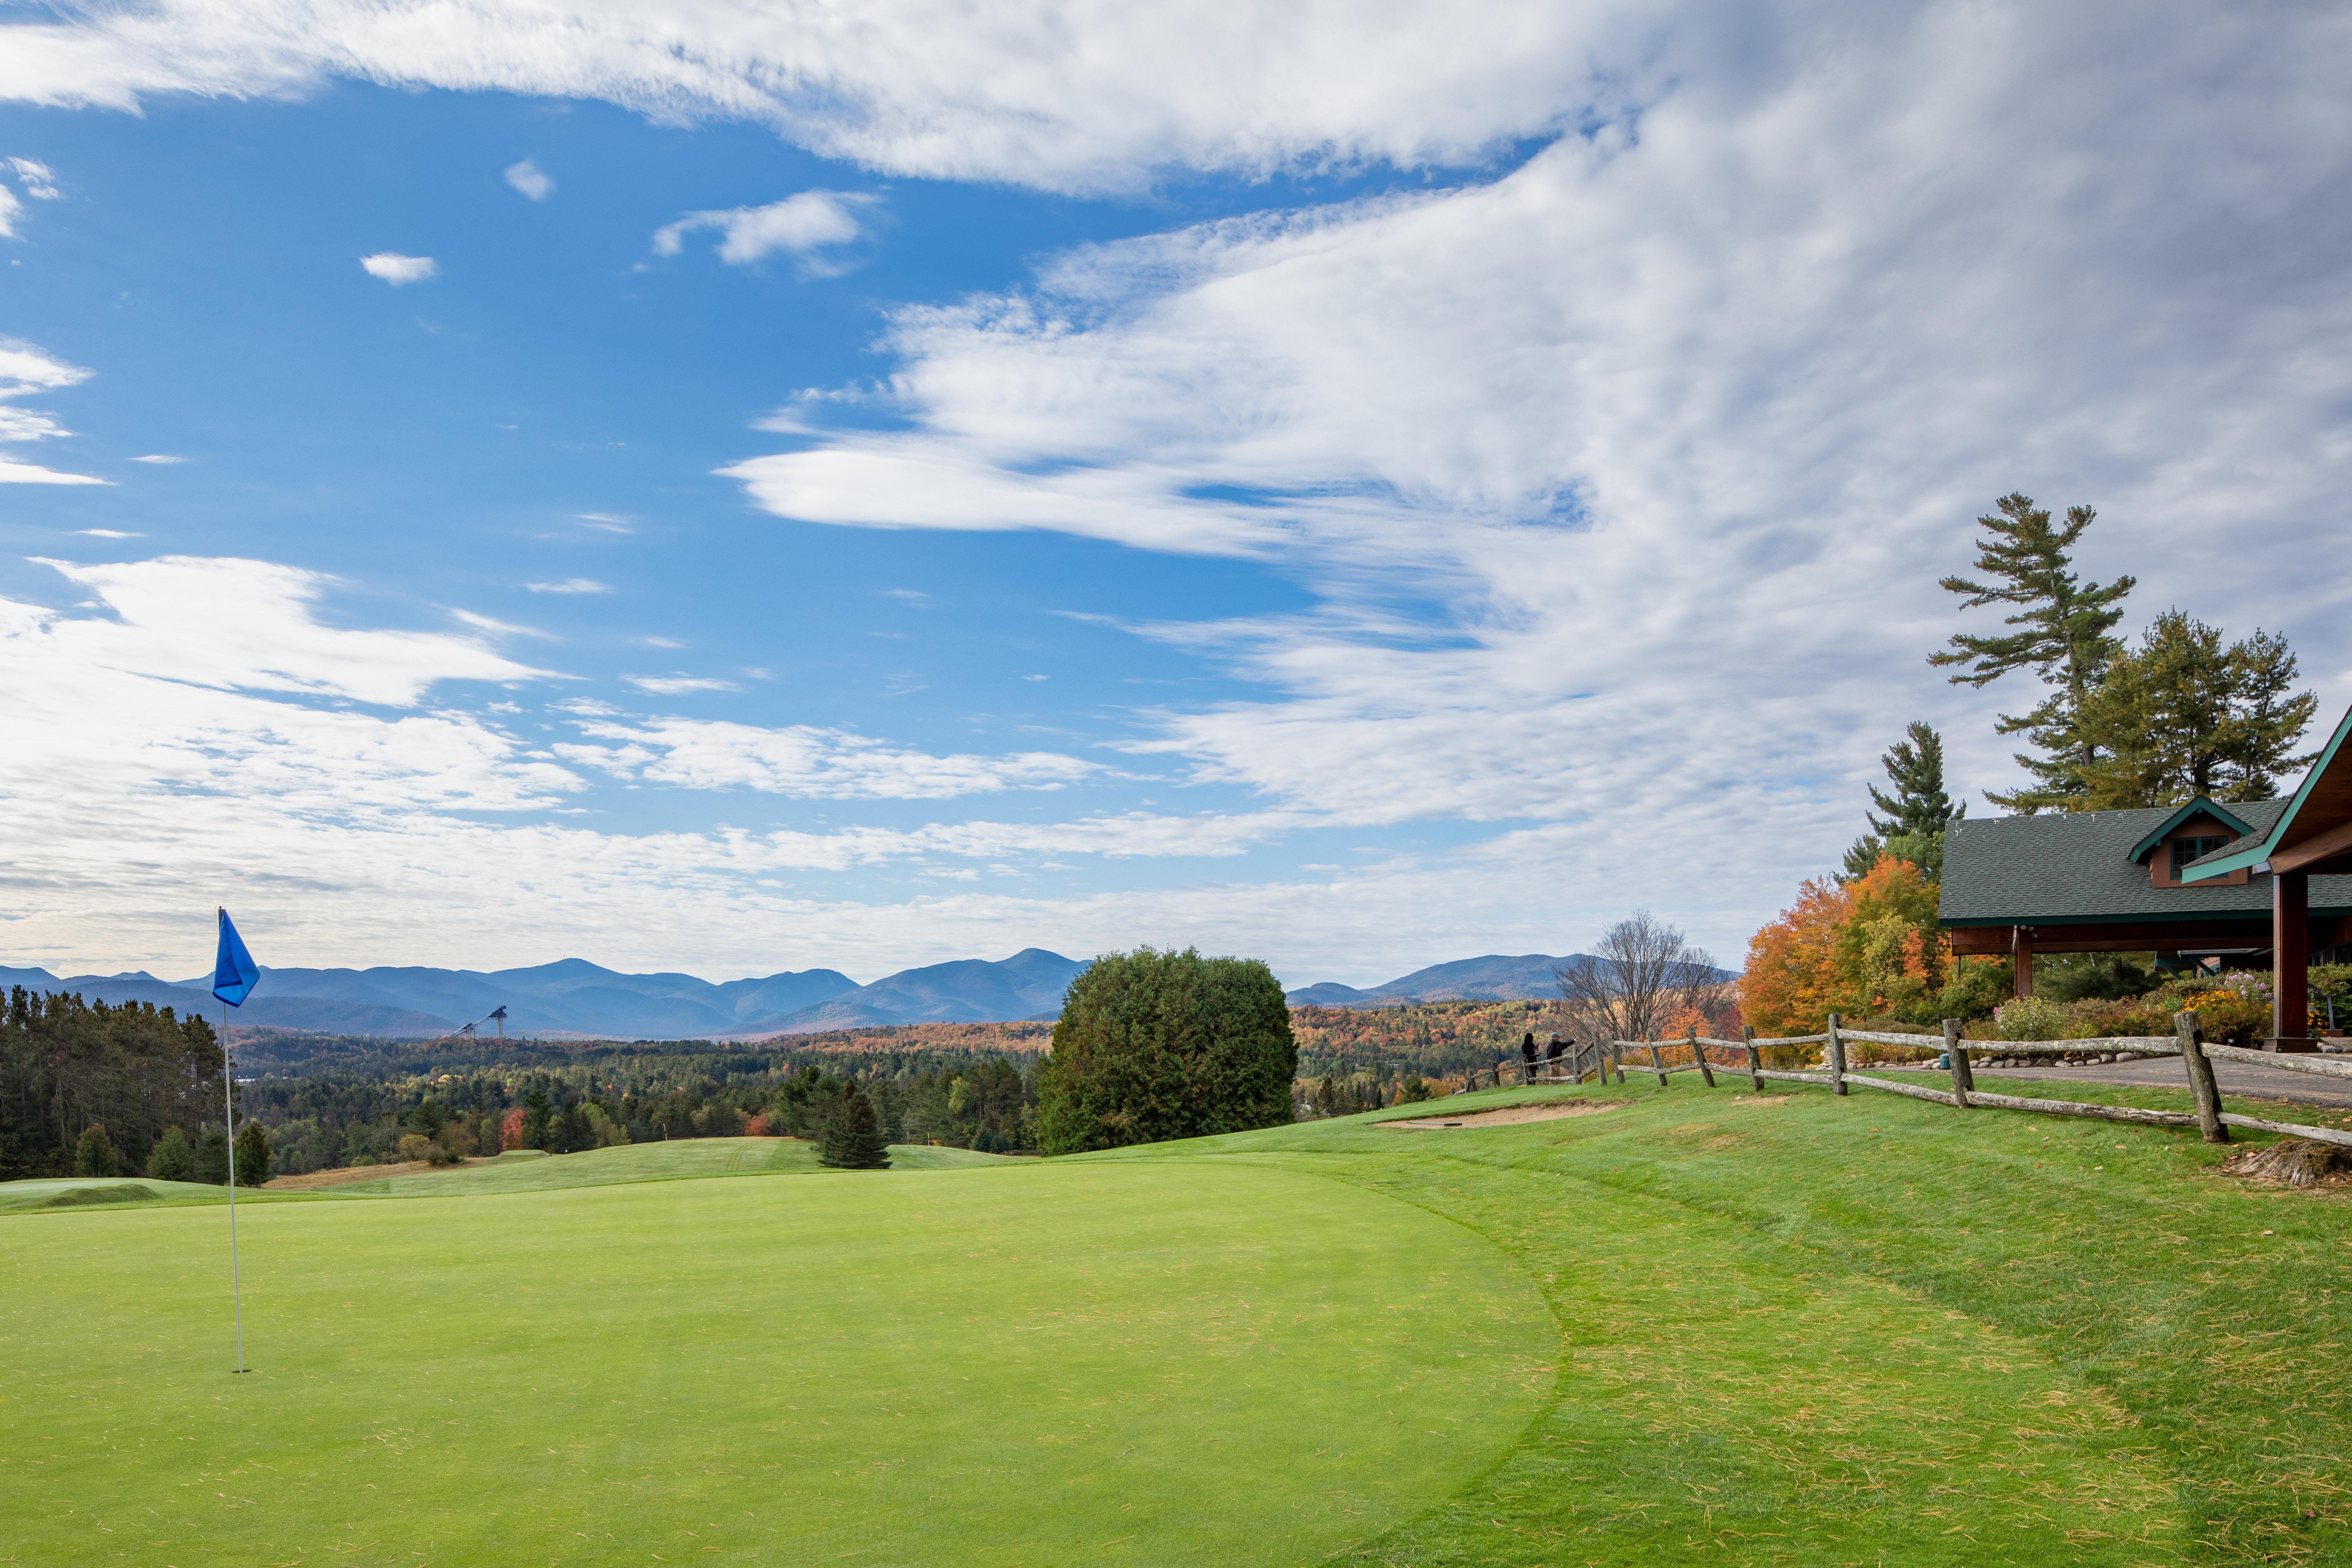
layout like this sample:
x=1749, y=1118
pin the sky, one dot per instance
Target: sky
x=733, y=487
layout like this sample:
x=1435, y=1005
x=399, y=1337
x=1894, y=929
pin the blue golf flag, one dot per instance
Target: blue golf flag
x=234, y=971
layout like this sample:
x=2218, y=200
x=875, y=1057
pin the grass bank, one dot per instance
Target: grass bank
x=1700, y=1325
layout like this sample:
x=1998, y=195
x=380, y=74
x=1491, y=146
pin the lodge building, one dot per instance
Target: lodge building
x=2252, y=884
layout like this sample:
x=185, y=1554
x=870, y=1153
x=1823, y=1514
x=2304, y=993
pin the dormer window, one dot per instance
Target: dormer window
x=2184, y=850
x=2188, y=834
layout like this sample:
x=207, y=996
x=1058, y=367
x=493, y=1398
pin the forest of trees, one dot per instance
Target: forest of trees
x=131, y=1071
x=140, y=1076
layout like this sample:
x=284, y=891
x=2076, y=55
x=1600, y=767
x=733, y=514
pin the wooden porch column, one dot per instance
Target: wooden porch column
x=2290, y=954
x=2021, y=959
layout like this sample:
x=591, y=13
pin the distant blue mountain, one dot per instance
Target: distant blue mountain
x=574, y=996
x=571, y=996
x=1029, y=984
x=1493, y=978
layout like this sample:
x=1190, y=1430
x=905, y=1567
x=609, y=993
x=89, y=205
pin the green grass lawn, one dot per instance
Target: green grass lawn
x=1698, y=1327
x=1024, y=1363
x=512, y=1173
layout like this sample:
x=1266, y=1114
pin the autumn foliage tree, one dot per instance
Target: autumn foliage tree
x=1867, y=948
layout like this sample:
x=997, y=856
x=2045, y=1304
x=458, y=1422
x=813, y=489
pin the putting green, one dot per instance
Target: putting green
x=1029, y=1363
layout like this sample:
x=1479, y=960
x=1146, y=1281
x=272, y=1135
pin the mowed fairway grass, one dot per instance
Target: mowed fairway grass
x=1020, y=1363
x=1697, y=1326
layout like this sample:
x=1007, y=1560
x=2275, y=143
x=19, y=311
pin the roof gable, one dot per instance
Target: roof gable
x=2323, y=801
x=2200, y=807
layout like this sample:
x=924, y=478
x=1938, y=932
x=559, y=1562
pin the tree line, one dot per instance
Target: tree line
x=90, y=1089
x=133, y=1071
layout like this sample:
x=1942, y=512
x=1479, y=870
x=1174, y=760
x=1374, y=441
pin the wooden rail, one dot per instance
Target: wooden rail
x=2187, y=1042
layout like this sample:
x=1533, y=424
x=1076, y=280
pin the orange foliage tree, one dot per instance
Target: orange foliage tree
x=1866, y=948
x=510, y=1129
x=1793, y=980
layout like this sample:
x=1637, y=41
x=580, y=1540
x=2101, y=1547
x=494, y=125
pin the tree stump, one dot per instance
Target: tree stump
x=2297, y=1161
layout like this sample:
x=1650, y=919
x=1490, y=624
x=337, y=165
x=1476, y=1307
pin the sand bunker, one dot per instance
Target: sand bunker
x=1549, y=1110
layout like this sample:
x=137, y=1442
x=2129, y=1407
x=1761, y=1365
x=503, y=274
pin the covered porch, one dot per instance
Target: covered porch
x=2257, y=884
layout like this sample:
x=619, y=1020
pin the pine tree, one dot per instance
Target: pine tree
x=212, y=1157
x=173, y=1160
x=852, y=1137
x=252, y=1156
x=1916, y=815
x=2182, y=715
x=2064, y=638
x=95, y=1155
x=536, y=1114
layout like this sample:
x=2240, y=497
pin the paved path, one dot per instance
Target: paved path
x=2235, y=1077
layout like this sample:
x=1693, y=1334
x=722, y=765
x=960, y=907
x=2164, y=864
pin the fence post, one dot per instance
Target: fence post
x=1698, y=1055
x=1956, y=1055
x=1755, y=1058
x=2200, y=1078
x=1658, y=1063
x=1837, y=1057
x=1618, y=1057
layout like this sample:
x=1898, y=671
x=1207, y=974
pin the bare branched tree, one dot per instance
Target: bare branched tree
x=1642, y=976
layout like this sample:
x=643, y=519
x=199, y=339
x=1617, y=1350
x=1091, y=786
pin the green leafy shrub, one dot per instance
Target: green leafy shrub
x=173, y=1159
x=2035, y=1017
x=1153, y=1046
x=94, y=1155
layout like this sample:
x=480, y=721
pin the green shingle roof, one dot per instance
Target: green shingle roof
x=2079, y=867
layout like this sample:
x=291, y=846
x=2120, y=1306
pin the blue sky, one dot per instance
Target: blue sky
x=1338, y=488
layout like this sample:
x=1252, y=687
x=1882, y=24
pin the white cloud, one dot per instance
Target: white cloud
x=158, y=458
x=39, y=183
x=570, y=585
x=658, y=642
x=497, y=628
x=27, y=368
x=25, y=425
x=1624, y=481
x=13, y=473
x=607, y=522
x=250, y=626
x=805, y=760
x=1070, y=98
x=106, y=533
x=532, y=180
x=398, y=270
x=807, y=226
x=679, y=685
x=9, y=208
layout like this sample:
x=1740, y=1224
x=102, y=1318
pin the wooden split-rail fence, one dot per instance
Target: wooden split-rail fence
x=1578, y=1062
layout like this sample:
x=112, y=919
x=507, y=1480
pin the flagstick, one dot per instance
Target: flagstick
x=229, y=1108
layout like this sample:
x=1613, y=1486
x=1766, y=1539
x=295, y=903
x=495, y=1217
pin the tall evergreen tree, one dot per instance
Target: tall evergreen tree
x=1917, y=813
x=252, y=1156
x=537, y=1112
x=2063, y=625
x=212, y=1157
x=2183, y=715
x=853, y=1137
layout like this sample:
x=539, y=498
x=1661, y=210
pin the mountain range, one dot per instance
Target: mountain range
x=576, y=997
x=1493, y=978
